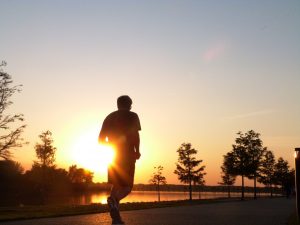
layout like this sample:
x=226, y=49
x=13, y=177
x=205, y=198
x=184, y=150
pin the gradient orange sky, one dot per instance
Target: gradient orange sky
x=197, y=72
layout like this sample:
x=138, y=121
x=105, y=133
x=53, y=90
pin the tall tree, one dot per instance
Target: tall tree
x=187, y=167
x=158, y=179
x=283, y=175
x=10, y=137
x=267, y=169
x=227, y=178
x=45, y=151
x=255, y=149
x=239, y=159
x=43, y=169
x=246, y=156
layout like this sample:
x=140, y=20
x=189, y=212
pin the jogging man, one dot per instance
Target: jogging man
x=121, y=129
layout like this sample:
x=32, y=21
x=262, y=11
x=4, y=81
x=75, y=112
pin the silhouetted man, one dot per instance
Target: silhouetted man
x=121, y=129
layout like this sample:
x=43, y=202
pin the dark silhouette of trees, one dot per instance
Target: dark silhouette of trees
x=227, y=178
x=283, y=176
x=246, y=157
x=255, y=150
x=267, y=169
x=158, y=179
x=9, y=137
x=79, y=178
x=188, y=167
x=10, y=182
x=42, y=175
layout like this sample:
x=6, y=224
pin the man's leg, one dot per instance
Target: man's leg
x=116, y=195
x=113, y=205
x=122, y=192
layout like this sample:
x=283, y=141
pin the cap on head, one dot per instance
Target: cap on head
x=124, y=102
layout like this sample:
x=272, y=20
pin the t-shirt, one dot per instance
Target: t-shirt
x=120, y=127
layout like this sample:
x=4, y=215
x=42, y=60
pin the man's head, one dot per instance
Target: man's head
x=124, y=102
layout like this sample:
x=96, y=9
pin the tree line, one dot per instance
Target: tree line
x=248, y=159
x=44, y=178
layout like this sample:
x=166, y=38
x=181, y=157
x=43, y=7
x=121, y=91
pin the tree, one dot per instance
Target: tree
x=198, y=179
x=246, y=156
x=11, y=179
x=283, y=176
x=187, y=167
x=9, y=137
x=227, y=178
x=267, y=169
x=158, y=179
x=255, y=150
x=79, y=177
x=45, y=151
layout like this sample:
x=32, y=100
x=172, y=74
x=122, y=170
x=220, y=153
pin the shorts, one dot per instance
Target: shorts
x=121, y=171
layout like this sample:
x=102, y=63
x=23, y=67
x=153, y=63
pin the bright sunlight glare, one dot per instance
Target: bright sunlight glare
x=89, y=154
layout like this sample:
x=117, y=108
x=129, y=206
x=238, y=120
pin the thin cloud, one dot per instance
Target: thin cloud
x=251, y=114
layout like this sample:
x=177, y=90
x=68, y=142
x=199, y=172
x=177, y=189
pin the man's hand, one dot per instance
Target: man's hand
x=137, y=155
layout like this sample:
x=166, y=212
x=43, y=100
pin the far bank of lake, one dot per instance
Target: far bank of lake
x=146, y=196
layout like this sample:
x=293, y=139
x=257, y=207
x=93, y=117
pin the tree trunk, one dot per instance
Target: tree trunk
x=190, y=189
x=158, y=192
x=255, y=187
x=228, y=188
x=243, y=188
x=271, y=190
x=199, y=192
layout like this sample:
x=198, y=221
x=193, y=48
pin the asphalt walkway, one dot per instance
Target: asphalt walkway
x=251, y=212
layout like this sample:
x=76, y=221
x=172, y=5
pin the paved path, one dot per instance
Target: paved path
x=259, y=212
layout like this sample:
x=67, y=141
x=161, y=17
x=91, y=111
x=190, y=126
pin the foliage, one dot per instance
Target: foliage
x=188, y=168
x=246, y=157
x=267, y=169
x=79, y=175
x=10, y=136
x=10, y=176
x=227, y=178
x=158, y=179
x=45, y=151
x=281, y=172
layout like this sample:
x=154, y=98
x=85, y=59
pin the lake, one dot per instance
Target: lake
x=151, y=196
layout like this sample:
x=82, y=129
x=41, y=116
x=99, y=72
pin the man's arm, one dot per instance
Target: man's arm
x=136, y=143
x=102, y=138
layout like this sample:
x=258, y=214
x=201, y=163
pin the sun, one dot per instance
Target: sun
x=89, y=154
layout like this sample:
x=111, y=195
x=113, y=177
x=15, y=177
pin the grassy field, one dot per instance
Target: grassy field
x=30, y=212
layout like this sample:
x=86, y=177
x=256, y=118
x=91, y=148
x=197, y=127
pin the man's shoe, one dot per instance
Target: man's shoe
x=117, y=222
x=114, y=211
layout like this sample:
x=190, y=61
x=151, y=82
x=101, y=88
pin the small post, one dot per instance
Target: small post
x=297, y=180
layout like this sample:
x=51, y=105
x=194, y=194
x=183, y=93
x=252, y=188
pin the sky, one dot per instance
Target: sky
x=197, y=71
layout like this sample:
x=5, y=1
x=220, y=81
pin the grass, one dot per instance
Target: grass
x=31, y=212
